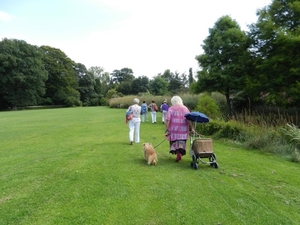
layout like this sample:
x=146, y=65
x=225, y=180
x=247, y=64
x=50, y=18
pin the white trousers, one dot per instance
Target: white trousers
x=134, y=129
x=153, y=116
x=164, y=115
x=145, y=117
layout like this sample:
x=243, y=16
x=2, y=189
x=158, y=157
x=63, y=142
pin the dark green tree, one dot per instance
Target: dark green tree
x=86, y=85
x=223, y=64
x=119, y=76
x=102, y=80
x=177, y=83
x=275, y=48
x=158, y=86
x=191, y=77
x=140, y=85
x=62, y=85
x=22, y=74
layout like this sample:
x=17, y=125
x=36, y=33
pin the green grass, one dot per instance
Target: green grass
x=75, y=166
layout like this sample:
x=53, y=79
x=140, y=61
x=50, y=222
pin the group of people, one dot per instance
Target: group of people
x=177, y=126
x=153, y=109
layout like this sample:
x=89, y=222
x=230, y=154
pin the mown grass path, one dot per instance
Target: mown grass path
x=75, y=166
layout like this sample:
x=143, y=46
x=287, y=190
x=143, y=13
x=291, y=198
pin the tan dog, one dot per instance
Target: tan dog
x=150, y=154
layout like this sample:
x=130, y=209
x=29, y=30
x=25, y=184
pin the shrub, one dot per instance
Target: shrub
x=231, y=130
x=72, y=101
x=220, y=99
x=103, y=101
x=208, y=106
x=208, y=129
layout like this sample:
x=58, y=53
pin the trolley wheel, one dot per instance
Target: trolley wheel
x=214, y=157
x=195, y=166
x=194, y=158
x=192, y=164
x=216, y=165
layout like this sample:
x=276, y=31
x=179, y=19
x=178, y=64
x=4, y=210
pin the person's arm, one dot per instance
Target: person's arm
x=167, y=124
x=167, y=128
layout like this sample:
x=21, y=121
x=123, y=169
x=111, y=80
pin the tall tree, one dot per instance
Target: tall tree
x=119, y=76
x=191, y=77
x=62, y=85
x=158, y=86
x=86, y=84
x=223, y=64
x=140, y=85
x=275, y=47
x=22, y=74
x=102, y=80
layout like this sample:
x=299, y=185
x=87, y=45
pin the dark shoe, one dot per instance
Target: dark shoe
x=131, y=143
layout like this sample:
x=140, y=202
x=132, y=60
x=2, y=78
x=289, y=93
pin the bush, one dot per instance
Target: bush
x=208, y=106
x=103, y=101
x=208, y=129
x=72, y=101
x=220, y=99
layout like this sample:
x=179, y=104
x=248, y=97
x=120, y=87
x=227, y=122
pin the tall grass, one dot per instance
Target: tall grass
x=75, y=166
x=124, y=102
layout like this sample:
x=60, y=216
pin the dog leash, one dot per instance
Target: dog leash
x=160, y=143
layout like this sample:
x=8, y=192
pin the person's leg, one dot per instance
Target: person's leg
x=163, y=116
x=143, y=117
x=178, y=158
x=146, y=116
x=137, y=132
x=154, y=117
x=131, y=131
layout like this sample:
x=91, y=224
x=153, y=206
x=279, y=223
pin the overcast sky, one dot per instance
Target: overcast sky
x=146, y=36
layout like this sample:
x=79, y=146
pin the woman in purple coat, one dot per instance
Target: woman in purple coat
x=178, y=127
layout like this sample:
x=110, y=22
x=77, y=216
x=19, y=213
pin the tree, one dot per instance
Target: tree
x=158, y=86
x=22, y=74
x=62, y=85
x=177, y=83
x=223, y=64
x=140, y=85
x=119, y=76
x=191, y=77
x=102, y=79
x=86, y=85
x=275, y=48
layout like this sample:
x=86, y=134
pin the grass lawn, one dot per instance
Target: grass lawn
x=75, y=166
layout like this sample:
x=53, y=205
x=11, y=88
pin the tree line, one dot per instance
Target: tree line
x=257, y=67
x=32, y=75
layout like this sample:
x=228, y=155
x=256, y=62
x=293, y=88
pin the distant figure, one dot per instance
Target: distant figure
x=135, y=122
x=153, y=108
x=164, y=109
x=144, y=111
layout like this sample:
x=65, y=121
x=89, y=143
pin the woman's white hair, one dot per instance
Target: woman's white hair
x=176, y=100
x=136, y=100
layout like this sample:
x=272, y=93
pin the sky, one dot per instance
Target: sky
x=148, y=37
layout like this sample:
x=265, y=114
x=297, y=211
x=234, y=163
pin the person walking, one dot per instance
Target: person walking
x=164, y=110
x=144, y=111
x=135, y=122
x=177, y=127
x=153, y=109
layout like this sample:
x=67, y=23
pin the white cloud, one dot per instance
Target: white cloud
x=4, y=16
